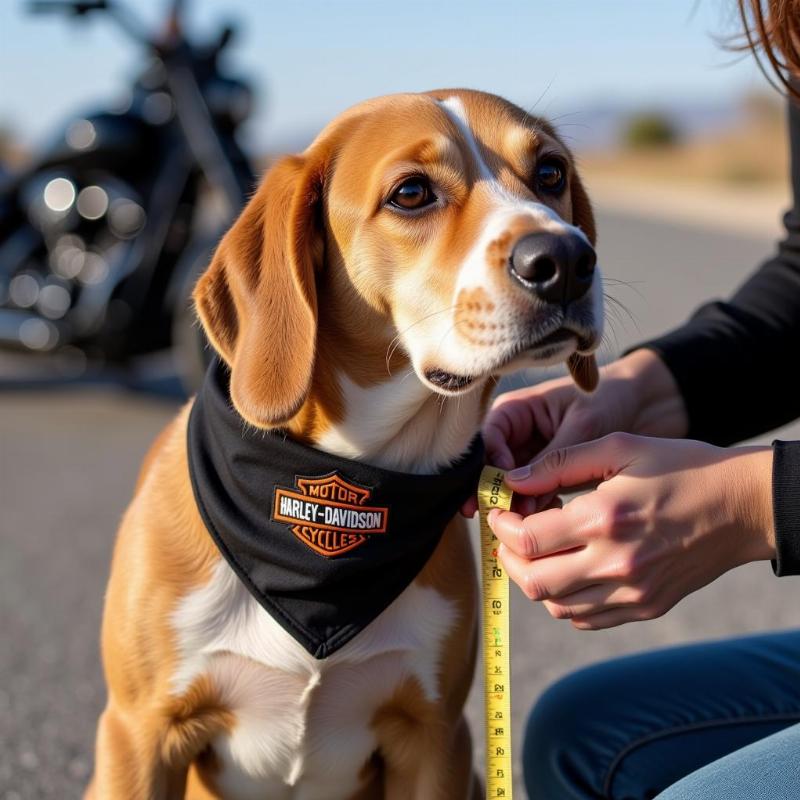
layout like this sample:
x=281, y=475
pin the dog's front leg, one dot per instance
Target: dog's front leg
x=130, y=760
x=429, y=762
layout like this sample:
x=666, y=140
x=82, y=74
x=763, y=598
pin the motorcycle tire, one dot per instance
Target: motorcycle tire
x=191, y=350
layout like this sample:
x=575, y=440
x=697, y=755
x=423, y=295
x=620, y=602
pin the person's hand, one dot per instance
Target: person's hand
x=637, y=394
x=667, y=518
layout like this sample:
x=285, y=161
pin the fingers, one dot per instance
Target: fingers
x=569, y=467
x=546, y=578
x=470, y=507
x=506, y=420
x=577, y=427
x=498, y=453
x=595, y=599
x=611, y=618
x=521, y=504
x=520, y=423
x=525, y=422
x=563, y=583
x=598, y=607
x=509, y=426
x=536, y=535
x=605, y=619
x=525, y=506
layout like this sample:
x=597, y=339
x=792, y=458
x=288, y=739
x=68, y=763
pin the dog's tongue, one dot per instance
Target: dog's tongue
x=584, y=371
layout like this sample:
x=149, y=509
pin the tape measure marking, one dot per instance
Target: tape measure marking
x=493, y=493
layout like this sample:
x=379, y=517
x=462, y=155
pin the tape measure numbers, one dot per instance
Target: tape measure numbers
x=493, y=493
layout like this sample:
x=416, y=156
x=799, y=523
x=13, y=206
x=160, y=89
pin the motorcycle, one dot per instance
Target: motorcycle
x=104, y=234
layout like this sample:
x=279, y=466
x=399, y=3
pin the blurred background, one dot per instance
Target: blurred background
x=127, y=145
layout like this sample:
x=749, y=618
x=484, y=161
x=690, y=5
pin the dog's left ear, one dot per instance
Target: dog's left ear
x=583, y=368
x=258, y=301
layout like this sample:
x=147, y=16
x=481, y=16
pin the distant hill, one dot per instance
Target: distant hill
x=595, y=126
x=600, y=127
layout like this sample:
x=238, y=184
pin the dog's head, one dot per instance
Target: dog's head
x=452, y=224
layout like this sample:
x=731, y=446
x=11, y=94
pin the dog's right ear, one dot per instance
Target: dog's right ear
x=257, y=300
x=583, y=368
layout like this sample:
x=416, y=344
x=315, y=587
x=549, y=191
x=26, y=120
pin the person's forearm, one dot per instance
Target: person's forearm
x=659, y=406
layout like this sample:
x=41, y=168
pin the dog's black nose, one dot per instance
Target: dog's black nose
x=556, y=267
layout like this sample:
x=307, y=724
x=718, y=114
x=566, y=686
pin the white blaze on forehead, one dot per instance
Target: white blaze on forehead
x=455, y=110
x=508, y=203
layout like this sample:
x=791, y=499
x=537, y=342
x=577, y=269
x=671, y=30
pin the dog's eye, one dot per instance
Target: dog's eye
x=413, y=193
x=551, y=175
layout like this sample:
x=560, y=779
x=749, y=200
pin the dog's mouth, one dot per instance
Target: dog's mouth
x=562, y=344
x=448, y=381
x=578, y=336
x=558, y=344
x=552, y=342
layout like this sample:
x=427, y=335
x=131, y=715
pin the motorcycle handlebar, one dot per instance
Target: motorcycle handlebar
x=77, y=7
x=80, y=8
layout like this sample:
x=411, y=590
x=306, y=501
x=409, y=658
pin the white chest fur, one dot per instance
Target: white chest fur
x=302, y=725
x=400, y=424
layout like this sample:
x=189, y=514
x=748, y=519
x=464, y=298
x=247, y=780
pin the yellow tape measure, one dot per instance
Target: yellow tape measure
x=493, y=493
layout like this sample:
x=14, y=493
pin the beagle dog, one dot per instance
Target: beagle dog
x=363, y=304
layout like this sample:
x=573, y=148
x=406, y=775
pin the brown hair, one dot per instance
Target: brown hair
x=772, y=27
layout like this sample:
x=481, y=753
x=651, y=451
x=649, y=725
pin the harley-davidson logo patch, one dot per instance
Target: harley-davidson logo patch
x=329, y=514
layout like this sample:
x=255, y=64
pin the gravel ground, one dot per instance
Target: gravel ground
x=68, y=460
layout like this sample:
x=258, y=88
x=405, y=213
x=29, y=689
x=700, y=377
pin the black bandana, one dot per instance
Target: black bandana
x=323, y=543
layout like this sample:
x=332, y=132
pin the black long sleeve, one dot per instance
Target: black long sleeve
x=735, y=363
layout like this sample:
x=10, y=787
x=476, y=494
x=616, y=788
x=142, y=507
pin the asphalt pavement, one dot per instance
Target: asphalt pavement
x=69, y=455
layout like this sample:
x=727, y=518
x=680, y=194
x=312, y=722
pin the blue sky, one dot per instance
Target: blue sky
x=310, y=59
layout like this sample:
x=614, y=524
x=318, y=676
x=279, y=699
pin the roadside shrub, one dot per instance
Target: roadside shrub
x=649, y=131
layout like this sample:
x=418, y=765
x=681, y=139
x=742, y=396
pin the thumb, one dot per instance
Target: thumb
x=571, y=467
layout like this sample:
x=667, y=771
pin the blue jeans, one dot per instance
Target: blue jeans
x=707, y=722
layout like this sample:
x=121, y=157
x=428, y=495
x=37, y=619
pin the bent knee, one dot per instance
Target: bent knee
x=576, y=732
x=560, y=757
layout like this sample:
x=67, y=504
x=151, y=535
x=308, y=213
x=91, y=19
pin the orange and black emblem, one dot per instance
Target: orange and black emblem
x=329, y=514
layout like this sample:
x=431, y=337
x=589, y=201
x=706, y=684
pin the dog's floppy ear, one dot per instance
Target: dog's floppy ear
x=583, y=368
x=257, y=300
